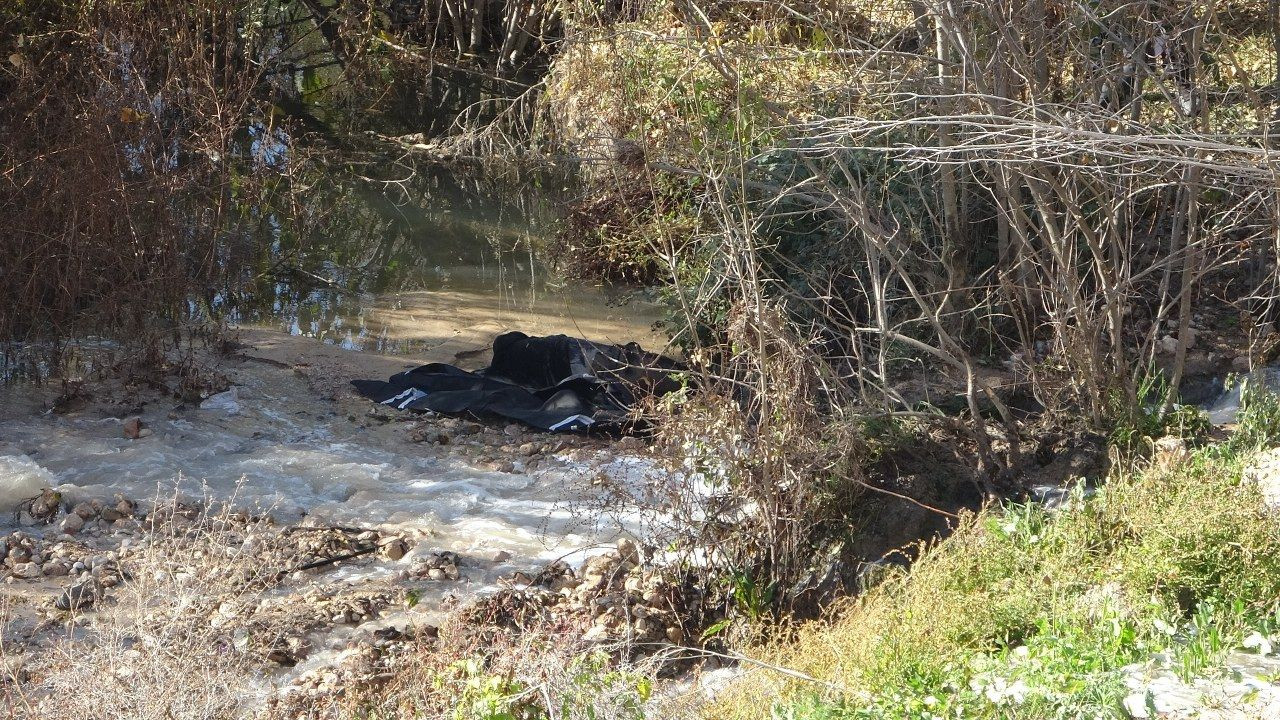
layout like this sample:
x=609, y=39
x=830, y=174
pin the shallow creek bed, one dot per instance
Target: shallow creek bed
x=281, y=538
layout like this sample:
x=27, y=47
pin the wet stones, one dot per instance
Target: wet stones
x=437, y=566
x=394, y=548
x=71, y=524
x=42, y=509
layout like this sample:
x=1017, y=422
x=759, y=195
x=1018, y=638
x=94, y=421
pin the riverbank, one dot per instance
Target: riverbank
x=297, y=538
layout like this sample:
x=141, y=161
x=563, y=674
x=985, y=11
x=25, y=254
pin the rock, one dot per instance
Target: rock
x=71, y=524
x=45, y=507
x=56, y=569
x=628, y=551
x=79, y=596
x=133, y=428
x=1265, y=472
x=1240, y=364
x=1136, y=705
x=395, y=549
x=499, y=556
x=1171, y=452
x=675, y=634
x=600, y=565
x=84, y=510
x=26, y=570
x=647, y=630
x=282, y=657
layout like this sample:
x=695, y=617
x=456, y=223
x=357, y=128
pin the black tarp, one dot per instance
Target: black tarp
x=555, y=383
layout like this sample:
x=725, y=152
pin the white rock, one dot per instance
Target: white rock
x=1265, y=472
x=26, y=570
x=1257, y=642
x=1136, y=705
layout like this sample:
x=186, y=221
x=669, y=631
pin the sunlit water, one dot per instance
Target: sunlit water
x=427, y=275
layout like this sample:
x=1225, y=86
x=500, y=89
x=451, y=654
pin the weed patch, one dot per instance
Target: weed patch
x=1029, y=612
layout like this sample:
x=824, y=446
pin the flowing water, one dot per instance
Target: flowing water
x=428, y=270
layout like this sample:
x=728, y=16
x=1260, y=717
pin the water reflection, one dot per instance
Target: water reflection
x=399, y=257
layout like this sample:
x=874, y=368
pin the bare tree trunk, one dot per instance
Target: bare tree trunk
x=478, y=19
x=1273, y=10
x=954, y=246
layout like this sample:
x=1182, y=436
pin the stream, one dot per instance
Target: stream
x=420, y=272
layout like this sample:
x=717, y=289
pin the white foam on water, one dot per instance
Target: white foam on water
x=1225, y=409
x=272, y=446
x=21, y=478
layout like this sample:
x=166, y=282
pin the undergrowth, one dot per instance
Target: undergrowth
x=1034, y=612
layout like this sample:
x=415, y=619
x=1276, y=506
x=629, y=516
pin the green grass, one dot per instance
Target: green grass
x=1031, y=613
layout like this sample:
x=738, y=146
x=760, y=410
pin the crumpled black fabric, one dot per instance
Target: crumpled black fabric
x=555, y=383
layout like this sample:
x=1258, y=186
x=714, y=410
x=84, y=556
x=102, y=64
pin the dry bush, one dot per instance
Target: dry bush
x=480, y=671
x=128, y=167
x=949, y=215
x=168, y=637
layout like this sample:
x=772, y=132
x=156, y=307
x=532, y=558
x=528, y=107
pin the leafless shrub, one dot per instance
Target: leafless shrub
x=168, y=634
x=1004, y=198
x=125, y=168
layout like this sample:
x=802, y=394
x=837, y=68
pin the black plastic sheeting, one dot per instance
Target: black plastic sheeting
x=555, y=383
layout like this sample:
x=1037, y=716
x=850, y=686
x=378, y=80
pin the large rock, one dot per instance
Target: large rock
x=1265, y=472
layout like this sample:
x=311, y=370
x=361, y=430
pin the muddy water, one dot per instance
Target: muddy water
x=440, y=258
x=434, y=275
